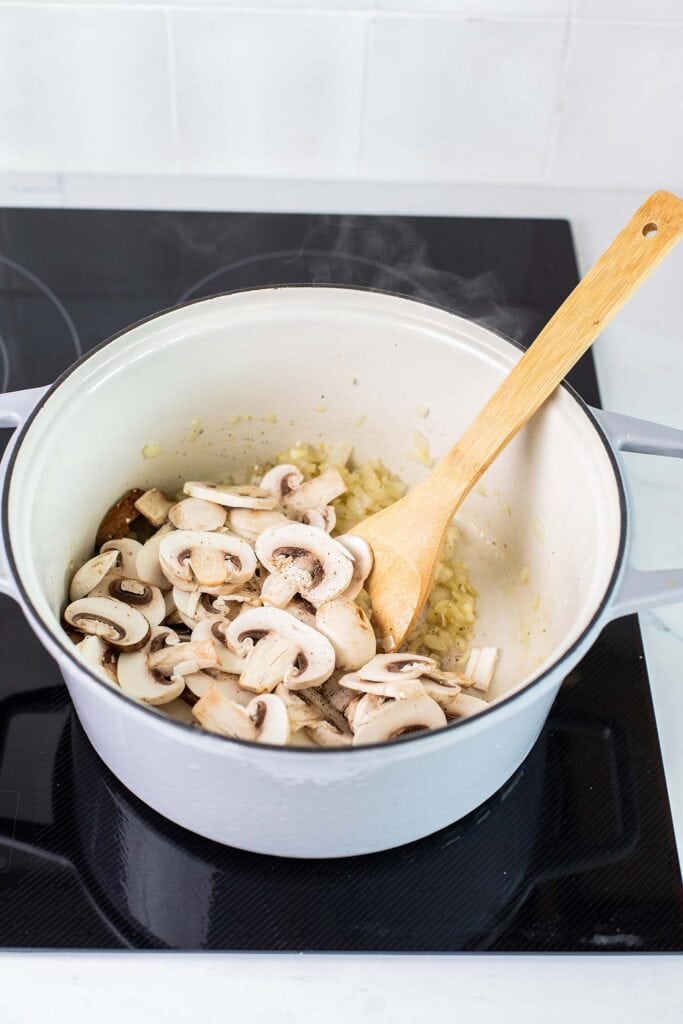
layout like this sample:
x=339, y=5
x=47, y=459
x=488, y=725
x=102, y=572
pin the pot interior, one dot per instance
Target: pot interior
x=540, y=534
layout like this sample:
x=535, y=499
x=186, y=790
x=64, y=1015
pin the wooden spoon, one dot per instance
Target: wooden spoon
x=406, y=538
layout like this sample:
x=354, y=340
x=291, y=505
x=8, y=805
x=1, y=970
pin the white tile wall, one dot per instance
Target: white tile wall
x=276, y=93
x=83, y=89
x=585, y=92
x=457, y=99
x=623, y=106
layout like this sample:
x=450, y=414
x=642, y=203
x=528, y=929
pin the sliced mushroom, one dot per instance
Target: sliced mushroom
x=138, y=676
x=338, y=696
x=316, y=493
x=481, y=666
x=362, y=563
x=302, y=560
x=300, y=738
x=196, y=560
x=396, y=717
x=327, y=735
x=348, y=629
x=99, y=657
x=91, y=573
x=310, y=660
x=196, y=605
x=199, y=682
x=271, y=719
x=147, y=599
x=243, y=496
x=387, y=668
x=154, y=506
x=264, y=719
x=117, y=623
x=219, y=714
x=323, y=519
x=282, y=480
x=147, y=560
x=399, y=688
x=116, y=522
x=250, y=523
x=181, y=659
x=215, y=629
x=197, y=514
x=128, y=553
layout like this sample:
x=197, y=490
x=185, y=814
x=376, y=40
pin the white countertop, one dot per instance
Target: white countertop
x=640, y=370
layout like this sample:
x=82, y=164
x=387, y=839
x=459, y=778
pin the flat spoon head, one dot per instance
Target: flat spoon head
x=406, y=537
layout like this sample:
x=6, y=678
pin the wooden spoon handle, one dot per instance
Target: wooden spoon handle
x=649, y=235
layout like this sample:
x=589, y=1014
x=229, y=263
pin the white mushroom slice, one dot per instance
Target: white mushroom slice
x=243, y=496
x=269, y=715
x=147, y=599
x=323, y=519
x=264, y=719
x=117, y=623
x=179, y=710
x=282, y=480
x=154, y=506
x=250, y=523
x=361, y=552
x=215, y=629
x=268, y=663
x=199, y=682
x=348, y=629
x=327, y=735
x=398, y=688
x=137, y=676
x=304, y=553
x=99, y=657
x=196, y=560
x=447, y=697
x=147, y=560
x=219, y=714
x=181, y=659
x=301, y=713
x=197, y=514
x=465, y=705
x=387, y=668
x=396, y=717
x=480, y=666
x=300, y=608
x=91, y=573
x=311, y=660
x=196, y=605
x=317, y=492
x=446, y=679
x=128, y=551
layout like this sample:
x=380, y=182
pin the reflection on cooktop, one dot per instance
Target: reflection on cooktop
x=575, y=853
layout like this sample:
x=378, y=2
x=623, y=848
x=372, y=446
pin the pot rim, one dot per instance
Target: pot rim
x=43, y=631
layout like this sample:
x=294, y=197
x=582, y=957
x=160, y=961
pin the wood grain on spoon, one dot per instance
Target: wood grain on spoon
x=406, y=538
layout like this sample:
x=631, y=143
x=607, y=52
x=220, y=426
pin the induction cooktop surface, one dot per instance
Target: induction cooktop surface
x=574, y=853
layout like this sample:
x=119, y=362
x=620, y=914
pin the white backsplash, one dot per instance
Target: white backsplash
x=566, y=92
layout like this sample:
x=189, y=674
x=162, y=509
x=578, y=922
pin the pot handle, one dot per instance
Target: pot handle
x=638, y=590
x=15, y=407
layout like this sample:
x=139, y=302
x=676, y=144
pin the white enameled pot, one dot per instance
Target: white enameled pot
x=545, y=537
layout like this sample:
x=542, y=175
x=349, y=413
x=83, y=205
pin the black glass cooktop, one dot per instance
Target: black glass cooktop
x=575, y=853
